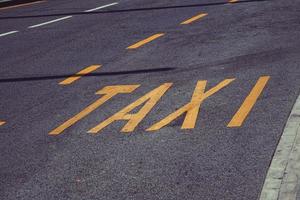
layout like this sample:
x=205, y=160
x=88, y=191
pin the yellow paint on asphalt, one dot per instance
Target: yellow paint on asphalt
x=192, y=108
x=145, y=41
x=249, y=102
x=2, y=123
x=194, y=18
x=233, y=1
x=149, y=100
x=79, y=74
x=21, y=5
x=108, y=92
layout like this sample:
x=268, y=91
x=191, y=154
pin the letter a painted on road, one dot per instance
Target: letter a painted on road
x=192, y=108
x=150, y=100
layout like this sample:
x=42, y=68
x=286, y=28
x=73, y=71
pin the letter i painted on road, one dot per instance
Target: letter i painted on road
x=192, y=108
x=108, y=92
x=149, y=100
x=240, y=116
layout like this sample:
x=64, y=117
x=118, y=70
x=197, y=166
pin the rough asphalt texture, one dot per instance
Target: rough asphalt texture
x=243, y=41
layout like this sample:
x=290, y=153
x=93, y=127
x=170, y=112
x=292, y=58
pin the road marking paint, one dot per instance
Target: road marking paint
x=50, y=22
x=233, y=1
x=21, y=5
x=149, y=100
x=145, y=41
x=194, y=18
x=192, y=108
x=282, y=181
x=240, y=116
x=98, y=8
x=2, y=123
x=108, y=92
x=79, y=74
x=8, y=33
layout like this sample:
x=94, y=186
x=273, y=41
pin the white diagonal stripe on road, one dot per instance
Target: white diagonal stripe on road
x=98, y=8
x=8, y=33
x=49, y=22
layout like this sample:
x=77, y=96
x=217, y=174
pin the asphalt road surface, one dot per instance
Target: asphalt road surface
x=144, y=99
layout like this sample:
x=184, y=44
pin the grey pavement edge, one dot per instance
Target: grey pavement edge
x=283, y=178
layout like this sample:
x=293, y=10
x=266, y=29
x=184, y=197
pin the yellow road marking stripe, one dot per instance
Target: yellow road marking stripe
x=21, y=5
x=249, y=102
x=145, y=41
x=149, y=100
x=108, y=92
x=79, y=74
x=2, y=123
x=194, y=18
x=233, y=1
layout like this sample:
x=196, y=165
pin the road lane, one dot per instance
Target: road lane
x=209, y=161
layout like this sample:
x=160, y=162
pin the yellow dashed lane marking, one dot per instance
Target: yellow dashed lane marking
x=2, y=123
x=145, y=41
x=233, y=1
x=80, y=74
x=21, y=5
x=249, y=102
x=194, y=18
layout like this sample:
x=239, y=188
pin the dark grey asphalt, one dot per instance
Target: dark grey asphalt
x=245, y=41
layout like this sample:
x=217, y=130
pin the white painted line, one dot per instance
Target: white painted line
x=8, y=33
x=98, y=8
x=49, y=22
x=283, y=177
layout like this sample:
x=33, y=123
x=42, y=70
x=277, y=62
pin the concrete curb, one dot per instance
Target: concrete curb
x=283, y=177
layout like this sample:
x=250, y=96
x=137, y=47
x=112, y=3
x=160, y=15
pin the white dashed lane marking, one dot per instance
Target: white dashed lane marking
x=50, y=22
x=67, y=17
x=8, y=33
x=98, y=8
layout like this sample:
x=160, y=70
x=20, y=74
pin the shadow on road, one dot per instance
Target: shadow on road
x=144, y=71
x=130, y=10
